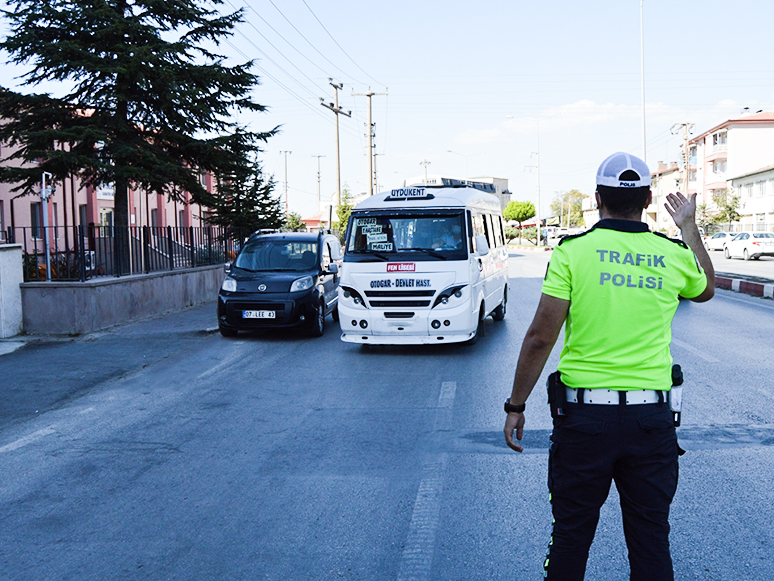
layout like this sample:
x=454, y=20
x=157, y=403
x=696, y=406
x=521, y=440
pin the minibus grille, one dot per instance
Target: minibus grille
x=388, y=304
x=398, y=315
x=401, y=294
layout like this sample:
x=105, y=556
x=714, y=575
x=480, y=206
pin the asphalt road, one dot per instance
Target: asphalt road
x=763, y=267
x=157, y=451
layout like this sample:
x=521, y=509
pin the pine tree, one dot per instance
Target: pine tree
x=147, y=105
x=245, y=201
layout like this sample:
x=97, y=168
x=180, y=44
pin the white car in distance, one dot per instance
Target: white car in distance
x=749, y=245
x=718, y=240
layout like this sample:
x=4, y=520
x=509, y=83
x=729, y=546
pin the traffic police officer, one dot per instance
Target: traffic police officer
x=616, y=289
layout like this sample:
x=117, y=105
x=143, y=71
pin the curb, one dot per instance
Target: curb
x=758, y=289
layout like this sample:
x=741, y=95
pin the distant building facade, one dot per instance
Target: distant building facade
x=734, y=158
x=74, y=204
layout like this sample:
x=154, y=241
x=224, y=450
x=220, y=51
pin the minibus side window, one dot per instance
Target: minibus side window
x=497, y=231
x=478, y=228
x=490, y=237
x=501, y=230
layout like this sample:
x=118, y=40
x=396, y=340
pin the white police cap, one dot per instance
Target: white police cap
x=609, y=173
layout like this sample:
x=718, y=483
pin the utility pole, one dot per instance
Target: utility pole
x=286, y=180
x=376, y=174
x=425, y=163
x=687, y=128
x=318, y=179
x=370, y=94
x=337, y=111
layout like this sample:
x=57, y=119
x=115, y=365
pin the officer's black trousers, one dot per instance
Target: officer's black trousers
x=635, y=446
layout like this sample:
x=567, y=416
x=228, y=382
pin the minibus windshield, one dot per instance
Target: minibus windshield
x=436, y=236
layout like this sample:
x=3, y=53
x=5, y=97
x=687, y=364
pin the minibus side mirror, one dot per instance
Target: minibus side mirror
x=333, y=268
x=482, y=246
x=227, y=267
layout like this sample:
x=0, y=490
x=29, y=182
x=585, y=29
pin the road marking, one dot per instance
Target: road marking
x=418, y=551
x=695, y=351
x=27, y=439
x=417, y=560
x=448, y=391
x=232, y=358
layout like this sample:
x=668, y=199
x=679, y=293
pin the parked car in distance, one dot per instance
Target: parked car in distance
x=718, y=240
x=286, y=279
x=749, y=245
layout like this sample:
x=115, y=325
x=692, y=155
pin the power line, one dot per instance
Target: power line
x=275, y=48
x=309, y=43
x=285, y=87
x=337, y=44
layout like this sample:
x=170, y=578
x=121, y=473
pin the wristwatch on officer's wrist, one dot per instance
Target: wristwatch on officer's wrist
x=509, y=407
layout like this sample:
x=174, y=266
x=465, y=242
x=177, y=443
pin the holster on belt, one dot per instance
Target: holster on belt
x=557, y=394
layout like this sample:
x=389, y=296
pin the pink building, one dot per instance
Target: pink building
x=733, y=148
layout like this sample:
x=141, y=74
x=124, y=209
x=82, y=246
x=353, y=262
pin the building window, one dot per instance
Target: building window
x=2, y=222
x=747, y=191
x=760, y=189
x=36, y=219
x=760, y=222
x=180, y=218
x=719, y=138
x=82, y=215
x=692, y=175
x=719, y=166
x=154, y=218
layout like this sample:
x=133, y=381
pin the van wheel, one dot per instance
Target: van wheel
x=318, y=321
x=499, y=312
x=480, y=332
x=335, y=313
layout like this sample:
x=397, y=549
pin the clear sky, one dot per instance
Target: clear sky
x=479, y=78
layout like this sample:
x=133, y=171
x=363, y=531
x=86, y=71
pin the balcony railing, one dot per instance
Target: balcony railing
x=82, y=253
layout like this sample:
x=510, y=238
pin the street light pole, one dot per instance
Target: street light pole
x=45, y=193
x=466, y=159
x=642, y=83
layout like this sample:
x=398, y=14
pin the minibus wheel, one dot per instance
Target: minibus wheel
x=499, y=312
x=480, y=329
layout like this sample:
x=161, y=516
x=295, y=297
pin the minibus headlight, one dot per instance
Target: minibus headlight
x=445, y=295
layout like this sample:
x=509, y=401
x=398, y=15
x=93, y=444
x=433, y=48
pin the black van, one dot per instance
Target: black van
x=288, y=279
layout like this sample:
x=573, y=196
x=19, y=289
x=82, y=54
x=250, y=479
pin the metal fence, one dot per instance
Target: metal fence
x=82, y=253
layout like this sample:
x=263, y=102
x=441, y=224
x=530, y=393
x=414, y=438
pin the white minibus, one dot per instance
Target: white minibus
x=423, y=265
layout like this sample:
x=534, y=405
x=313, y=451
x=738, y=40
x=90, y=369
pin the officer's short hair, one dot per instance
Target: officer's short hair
x=624, y=201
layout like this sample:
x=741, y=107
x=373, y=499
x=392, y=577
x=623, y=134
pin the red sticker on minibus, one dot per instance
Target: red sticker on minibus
x=401, y=267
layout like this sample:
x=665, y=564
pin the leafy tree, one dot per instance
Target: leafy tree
x=293, y=222
x=571, y=202
x=147, y=105
x=342, y=213
x=728, y=207
x=519, y=212
x=703, y=217
x=511, y=232
x=245, y=200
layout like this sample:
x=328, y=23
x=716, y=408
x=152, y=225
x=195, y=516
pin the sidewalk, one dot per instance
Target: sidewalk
x=197, y=319
x=43, y=373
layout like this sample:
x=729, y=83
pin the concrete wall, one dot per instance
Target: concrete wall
x=70, y=308
x=10, y=295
